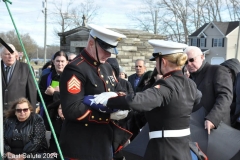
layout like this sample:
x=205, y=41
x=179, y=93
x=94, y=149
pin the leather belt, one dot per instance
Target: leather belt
x=169, y=133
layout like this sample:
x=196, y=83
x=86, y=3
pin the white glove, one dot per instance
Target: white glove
x=119, y=115
x=103, y=97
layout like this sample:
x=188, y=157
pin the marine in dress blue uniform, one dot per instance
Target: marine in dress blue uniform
x=168, y=104
x=88, y=134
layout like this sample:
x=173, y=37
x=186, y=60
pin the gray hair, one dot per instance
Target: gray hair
x=2, y=48
x=195, y=49
x=141, y=60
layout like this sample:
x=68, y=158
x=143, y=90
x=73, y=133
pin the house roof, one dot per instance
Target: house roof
x=198, y=31
x=224, y=27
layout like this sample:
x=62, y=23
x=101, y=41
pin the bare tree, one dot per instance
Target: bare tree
x=61, y=15
x=147, y=16
x=233, y=7
x=29, y=44
x=66, y=15
x=88, y=8
x=179, y=18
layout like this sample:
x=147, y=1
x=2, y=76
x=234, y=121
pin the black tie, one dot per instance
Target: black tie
x=6, y=72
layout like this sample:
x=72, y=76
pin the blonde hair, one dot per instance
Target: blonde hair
x=178, y=59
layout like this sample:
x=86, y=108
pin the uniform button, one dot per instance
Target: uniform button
x=98, y=69
x=95, y=63
x=95, y=85
x=92, y=117
x=106, y=119
x=86, y=124
x=112, y=84
x=109, y=89
x=102, y=76
x=81, y=57
x=100, y=119
x=107, y=82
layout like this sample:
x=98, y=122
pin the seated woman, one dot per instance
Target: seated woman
x=24, y=131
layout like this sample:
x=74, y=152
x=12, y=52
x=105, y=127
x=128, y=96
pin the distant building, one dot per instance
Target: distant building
x=135, y=46
x=217, y=40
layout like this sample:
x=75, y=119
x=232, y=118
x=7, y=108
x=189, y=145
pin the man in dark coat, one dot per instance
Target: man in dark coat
x=17, y=80
x=214, y=81
x=88, y=134
x=233, y=65
x=136, y=77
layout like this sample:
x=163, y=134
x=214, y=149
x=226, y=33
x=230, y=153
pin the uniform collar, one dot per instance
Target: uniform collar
x=85, y=55
x=174, y=72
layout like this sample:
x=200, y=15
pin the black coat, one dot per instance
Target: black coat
x=48, y=99
x=33, y=133
x=20, y=85
x=168, y=107
x=88, y=134
x=131, y=79
x=214, y=81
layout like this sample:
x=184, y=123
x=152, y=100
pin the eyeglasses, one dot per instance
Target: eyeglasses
x=20, y=110
x=191, y=59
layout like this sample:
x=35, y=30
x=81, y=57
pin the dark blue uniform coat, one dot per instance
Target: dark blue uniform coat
x=168, y=106
x=88, y=134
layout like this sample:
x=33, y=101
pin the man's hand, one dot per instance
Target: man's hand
x=103, y=97
x=119, y=115
x=209, y=125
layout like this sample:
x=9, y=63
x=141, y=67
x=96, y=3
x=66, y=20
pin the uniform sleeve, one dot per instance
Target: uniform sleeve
x=31, y=90
x=142, y=101
x=223, y=93
x=72, y=91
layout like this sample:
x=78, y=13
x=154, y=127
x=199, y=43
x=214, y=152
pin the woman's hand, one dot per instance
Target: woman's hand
x=49, y=91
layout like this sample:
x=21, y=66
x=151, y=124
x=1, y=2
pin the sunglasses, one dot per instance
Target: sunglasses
x=191, y=59
x=20, y=110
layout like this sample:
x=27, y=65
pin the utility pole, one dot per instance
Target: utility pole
x=45, y=31
x=155, y=25
x=236, y=55
x=37, y=53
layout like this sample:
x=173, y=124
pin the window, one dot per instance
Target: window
x=202, y=42
x=215, y=42
x=194, y=42
x=218, y=42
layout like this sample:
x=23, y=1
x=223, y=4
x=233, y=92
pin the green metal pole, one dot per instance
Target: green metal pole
x=32, y=73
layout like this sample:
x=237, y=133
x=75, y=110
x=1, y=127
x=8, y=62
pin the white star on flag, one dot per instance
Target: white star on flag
x=92, y=101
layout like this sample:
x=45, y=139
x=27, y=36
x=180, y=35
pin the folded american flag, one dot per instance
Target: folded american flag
x=89, y=100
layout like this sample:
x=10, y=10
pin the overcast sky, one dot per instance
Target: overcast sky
x=29, y=18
